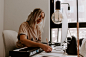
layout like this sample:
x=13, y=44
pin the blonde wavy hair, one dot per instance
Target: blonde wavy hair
x=32, y=18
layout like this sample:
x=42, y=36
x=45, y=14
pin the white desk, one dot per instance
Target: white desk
x=54, y=53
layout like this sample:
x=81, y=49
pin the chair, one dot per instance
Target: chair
x=9, y=38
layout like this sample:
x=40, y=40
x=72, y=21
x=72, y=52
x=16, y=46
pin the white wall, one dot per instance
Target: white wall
x=16, y=12
x=1, y=27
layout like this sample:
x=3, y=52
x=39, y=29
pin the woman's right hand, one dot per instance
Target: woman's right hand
x=46, y=48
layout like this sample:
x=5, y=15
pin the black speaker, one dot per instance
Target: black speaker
x=71, y=46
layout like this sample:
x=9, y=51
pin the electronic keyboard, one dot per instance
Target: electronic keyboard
x=25, y=52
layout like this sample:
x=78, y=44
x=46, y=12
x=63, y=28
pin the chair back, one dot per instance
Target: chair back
x=10, y=39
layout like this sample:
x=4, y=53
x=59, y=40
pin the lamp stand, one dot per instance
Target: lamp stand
x=77, y=30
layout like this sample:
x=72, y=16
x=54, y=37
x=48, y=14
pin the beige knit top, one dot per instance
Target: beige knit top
x=31, y=33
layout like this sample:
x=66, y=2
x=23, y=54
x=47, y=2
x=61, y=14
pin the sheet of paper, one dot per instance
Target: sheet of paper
x=54, y=53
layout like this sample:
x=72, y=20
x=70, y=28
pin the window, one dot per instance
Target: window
x=72, y=19
x=56, y=34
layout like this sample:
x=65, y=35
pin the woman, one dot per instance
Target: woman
x=30, y=32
